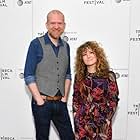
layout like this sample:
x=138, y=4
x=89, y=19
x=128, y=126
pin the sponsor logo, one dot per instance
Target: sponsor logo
x=19, y=73
x=70, y=36
x=135, y=110
x=3, y=3
x=67, y=36
x=6, y=73
x=13, y=138
x=120, y=73
x=93, y=2
x=26, y=2
x=41, y=33
x=136, y=37
x=7, y=138
x=19, y=2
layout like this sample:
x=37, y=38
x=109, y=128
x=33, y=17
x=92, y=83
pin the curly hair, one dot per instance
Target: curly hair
x=102, y=65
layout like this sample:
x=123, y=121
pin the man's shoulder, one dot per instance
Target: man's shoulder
x=35, y=41
x=35, y=44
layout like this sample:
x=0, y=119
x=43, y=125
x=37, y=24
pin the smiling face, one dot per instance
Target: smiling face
x=89, y=59
x=55, y=25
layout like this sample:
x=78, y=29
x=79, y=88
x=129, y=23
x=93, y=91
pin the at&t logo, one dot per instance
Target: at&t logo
x=25, y=2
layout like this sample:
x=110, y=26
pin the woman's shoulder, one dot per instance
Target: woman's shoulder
x=112, y=76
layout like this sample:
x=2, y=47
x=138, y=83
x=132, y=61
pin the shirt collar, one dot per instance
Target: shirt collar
x=48, y=41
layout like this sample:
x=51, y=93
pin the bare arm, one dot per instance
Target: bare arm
x=67, y=89
x=35, y=93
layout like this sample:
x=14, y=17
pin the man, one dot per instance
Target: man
x=47, y=74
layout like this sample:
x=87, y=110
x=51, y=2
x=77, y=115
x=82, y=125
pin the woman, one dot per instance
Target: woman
x=95, y=95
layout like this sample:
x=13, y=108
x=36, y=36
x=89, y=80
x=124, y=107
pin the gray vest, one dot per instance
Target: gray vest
x=51, y=71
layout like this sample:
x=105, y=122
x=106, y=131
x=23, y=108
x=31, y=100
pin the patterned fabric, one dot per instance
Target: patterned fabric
x=94, y=107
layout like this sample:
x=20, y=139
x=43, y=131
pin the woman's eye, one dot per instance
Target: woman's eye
x=92, y=52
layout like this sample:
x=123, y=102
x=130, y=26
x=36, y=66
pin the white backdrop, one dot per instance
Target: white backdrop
x=113, y=23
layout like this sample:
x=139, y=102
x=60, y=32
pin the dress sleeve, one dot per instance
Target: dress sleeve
x=113, y=93
x=76, y=97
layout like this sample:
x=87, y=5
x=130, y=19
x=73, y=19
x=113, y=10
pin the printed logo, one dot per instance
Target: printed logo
x=93, y=2
x=3, y=3
x=121, y=73
x=135, y=111
x=41, y=33
x=136, y=37
x=21, y=2
x=70, y=36
x=7, y=138
x=19, y=73
x=6, y=73
x=66, y=38
x=117, y=75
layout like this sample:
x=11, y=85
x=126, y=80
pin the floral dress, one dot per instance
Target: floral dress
x=94, y=108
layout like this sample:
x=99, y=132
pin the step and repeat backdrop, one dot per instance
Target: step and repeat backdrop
x=115, y=24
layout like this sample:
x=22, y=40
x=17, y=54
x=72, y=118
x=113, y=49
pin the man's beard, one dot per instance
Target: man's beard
x=54, y=36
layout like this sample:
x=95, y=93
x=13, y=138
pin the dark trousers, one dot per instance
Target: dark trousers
x=57, y=112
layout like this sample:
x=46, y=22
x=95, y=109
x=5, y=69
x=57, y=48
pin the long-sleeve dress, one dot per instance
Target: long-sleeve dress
x=94, y=108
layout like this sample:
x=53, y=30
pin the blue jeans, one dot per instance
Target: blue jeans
x=57, y=112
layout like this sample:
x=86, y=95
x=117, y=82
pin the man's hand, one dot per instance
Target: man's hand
x=40, y=101
x=64, y=99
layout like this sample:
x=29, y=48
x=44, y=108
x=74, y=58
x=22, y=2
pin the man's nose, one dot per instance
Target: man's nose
x=56, y=25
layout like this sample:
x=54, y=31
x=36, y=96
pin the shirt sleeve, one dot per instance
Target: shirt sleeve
x=68, y=73
x=34, y=55
x=113, y=94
